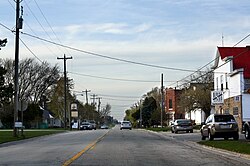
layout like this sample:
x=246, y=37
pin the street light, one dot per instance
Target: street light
x=3, y=43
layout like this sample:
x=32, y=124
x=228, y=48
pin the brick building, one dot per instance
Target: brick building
x=172, y=109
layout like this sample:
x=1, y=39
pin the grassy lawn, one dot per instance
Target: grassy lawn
x=159, y=129
x=235, y=146
x=7, y=135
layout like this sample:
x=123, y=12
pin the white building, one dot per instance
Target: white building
x=232, y=82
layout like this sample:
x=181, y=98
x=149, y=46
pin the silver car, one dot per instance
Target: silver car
x=220, y=126
x=182, y=125
x=126, y=125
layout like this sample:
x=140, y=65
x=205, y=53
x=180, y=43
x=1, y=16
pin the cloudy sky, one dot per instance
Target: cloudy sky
x=131, y=42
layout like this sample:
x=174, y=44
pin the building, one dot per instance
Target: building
x=232, y=82
x=172, y=99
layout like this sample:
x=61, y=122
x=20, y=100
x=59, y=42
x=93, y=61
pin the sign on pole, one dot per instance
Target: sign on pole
x=217, y=97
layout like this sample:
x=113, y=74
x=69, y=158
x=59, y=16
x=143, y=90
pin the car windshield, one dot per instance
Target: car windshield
x=183, y=121
x=224, y=118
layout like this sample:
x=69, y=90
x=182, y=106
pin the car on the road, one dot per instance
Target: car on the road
x=220, y=126
x=86, y=126
x=104, y=126
x=182, y=125
x=126, y=125
x=92, y=122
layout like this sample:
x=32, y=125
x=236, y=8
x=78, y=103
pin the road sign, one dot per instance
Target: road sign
x=217, y=97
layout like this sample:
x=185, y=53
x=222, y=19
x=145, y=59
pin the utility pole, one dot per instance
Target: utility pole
x=99, y=103
x=19, y=22
x=162, y=100
x=94, y=97
x=86, y=91
x=65, y=90
x=140, y=114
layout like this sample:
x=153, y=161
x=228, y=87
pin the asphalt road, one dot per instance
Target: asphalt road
x=115, y=147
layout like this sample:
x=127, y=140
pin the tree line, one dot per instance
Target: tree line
x=195, y=93
x=40, y=86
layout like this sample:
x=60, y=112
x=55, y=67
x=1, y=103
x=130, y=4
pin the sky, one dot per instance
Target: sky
x=121, y=47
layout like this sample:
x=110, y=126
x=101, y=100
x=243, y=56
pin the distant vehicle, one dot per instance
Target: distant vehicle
x=104, y=126
x=220, y=126
x=86, y=126
x=92, y=122
x=182, y=125
x=126, y=125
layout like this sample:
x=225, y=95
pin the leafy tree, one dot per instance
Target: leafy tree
x=149, y=106
x=198, y=93
x=32, y=115
x=56, y=98
x=6, y=93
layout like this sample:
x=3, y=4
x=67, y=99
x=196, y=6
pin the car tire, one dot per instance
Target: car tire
x=176, y=131
x=247, y=132
x=211, y=138
x=226, y=138
x=191, y=131
x=202, y=136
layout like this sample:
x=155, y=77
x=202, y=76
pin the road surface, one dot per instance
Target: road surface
x=115, y=147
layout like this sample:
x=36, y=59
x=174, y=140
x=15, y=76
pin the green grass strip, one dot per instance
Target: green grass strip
x=235, y=146
x=7, y=136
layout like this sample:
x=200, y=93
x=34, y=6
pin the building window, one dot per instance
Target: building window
x=170, y=103
x=226, y=81
x=221, y=82
x=235, y=111
x=226, y=112
x=217, y=83
x=237, y=98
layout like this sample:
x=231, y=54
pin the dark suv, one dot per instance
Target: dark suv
x=220, y=126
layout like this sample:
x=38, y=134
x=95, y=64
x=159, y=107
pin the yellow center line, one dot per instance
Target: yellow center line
x=88, y=147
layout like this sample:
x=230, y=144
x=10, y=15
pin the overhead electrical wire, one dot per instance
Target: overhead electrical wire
x=105, y=56
x=40, y=23
x=209, y=63
x=48, y=23
x=115, y=79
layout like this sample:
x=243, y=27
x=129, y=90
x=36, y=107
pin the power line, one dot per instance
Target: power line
x=118, y=96
x=212, y=60
x=242, y=40
x=105, y=56
x=40, y=23
x=219, y=66
x=48, y=23
x=115, y=79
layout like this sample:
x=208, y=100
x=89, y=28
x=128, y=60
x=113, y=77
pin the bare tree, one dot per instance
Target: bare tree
x=105, y=111
x=34, y=78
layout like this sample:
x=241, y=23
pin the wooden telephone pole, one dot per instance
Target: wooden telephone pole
x=65, y=91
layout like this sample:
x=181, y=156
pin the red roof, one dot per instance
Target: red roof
x=241, y=58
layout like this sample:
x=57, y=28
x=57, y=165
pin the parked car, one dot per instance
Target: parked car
x=182, y=125
x=92, y=122
x=86, y=126
x=126, y=125
x=104, y=126
x=220, y=126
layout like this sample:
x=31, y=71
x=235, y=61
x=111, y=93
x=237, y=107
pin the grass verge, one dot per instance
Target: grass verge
x=234, y=146
x=159, y=129
x=7, y=136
